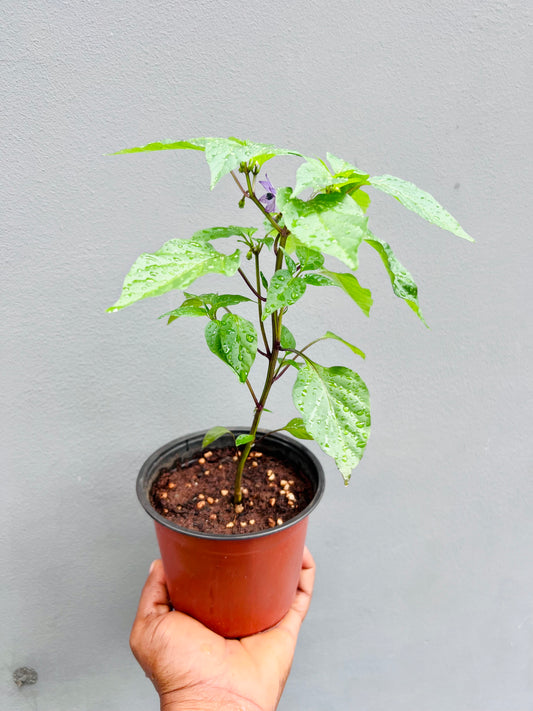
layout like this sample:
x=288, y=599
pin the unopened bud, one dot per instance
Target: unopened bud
x=241, y=202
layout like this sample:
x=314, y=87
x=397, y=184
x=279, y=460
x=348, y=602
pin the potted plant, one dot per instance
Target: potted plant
x=231, y=505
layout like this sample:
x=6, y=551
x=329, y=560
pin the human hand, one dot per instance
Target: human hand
x=193, y=668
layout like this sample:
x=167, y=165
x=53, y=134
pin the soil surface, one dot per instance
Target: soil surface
x=198, y=494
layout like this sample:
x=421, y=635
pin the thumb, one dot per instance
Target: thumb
x=154, y=597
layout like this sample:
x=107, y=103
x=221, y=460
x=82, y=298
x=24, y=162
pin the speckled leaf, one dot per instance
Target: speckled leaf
x=212, y=338
x=283, y=290
x=309, y=259
x=312, y=175
x=291, y=264
x=222, y=154
x=222, y=232
x=226, y=154
x=175, y=266
x=195, y=144
x=417, y=200
x=332, y=224
x=234, y=340
x=217, y=301
x=348, y=283
x=318, y=280
x=335, y=407
x=402, y=282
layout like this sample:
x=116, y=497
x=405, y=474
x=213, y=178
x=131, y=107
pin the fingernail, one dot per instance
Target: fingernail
x=152, y=566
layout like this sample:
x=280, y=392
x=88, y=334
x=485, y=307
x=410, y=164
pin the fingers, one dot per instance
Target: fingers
x=307, y=574
x=154, y=596
x=306, y=584
x=293, y=619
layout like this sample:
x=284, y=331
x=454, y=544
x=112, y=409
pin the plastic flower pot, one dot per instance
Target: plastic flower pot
x=236, y=585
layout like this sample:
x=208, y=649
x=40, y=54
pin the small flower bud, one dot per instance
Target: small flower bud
x=241, y=202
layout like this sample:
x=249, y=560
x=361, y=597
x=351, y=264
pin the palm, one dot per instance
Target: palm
x=178, y=652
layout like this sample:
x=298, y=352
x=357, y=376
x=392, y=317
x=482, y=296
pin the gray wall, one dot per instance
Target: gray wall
x=425, y=576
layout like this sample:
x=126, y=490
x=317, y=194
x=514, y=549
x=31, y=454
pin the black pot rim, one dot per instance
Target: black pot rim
x=148, y=473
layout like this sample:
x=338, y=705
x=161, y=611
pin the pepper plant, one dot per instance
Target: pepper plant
x=298, y=233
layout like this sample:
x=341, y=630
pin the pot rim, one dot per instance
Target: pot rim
x=146, y=477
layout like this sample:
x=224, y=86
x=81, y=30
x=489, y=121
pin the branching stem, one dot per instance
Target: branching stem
x=273, y=349
x=250, y=286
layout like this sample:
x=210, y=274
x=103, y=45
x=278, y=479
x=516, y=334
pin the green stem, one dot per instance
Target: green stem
x=248, y=284
x=259, y=304
x=272, y=360
x=243, y=191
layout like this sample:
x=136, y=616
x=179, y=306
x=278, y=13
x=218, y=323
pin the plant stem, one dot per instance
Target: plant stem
x=243, y=191
x=249, y=285
x=273, y=351
x=269, y=381
x=259, y=304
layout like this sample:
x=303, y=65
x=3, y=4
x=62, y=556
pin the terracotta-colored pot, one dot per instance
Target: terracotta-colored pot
x=236, y=585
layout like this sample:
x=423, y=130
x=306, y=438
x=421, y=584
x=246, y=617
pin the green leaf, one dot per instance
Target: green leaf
x=223, y=232
x=264, y=280
x=312, y=175
x=283, y=290
x=417, y=200
x=234, y=340
x=217, y=301
x=291, y=265
x=287, y=340
x=267, y=241
x=349, y=284
x=335, y=407
x=309, y=258
x=290, y=243
x=317, y=280
x=402, y=282
x=297, y=429
x=192, y=300
x=316, y=176
x=353, y=348
x=195, y=144
x=332, y=224
x=342, y=167
x=184, y=310
x=361, y=198
x=175, y=266
x=212, y=338
x=213, y=434
x=222, y=154
x=244, y=439
x=226, y=154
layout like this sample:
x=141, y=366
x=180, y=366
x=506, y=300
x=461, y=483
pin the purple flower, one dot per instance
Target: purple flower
x=269, y=198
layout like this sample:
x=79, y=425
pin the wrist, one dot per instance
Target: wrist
x=206, y=699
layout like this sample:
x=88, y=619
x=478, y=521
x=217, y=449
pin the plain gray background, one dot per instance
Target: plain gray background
x=424, y=595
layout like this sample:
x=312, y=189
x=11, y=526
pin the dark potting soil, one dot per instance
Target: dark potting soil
x=198, y=494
